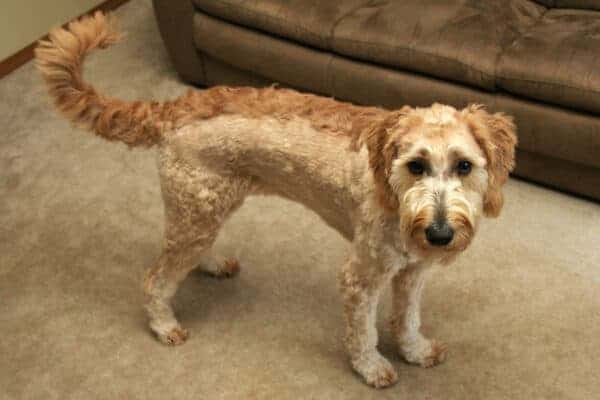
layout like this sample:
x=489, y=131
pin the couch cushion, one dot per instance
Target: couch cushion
x=306, y=21
x=585, y=4
x=449, y=39
x=459, y=40
x=263, y=54
x=557, y=61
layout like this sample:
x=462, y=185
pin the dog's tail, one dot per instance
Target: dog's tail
x=59, y=60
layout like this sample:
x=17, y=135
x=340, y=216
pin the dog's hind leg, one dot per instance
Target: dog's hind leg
x=197, y=203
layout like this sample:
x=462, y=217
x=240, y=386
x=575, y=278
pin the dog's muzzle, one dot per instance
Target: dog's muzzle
x=439, y=233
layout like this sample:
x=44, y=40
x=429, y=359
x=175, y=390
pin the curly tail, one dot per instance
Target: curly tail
x=59, y=60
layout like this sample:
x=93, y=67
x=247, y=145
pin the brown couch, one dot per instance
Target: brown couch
x=538, y=61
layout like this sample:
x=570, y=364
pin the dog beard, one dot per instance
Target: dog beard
x=421, y=207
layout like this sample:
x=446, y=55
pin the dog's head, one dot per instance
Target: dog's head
x=440, y=169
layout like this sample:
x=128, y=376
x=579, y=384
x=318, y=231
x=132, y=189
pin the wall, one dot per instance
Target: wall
x=24, y=21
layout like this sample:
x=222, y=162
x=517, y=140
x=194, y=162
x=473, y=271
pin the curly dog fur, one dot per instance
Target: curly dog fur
x=406, y=187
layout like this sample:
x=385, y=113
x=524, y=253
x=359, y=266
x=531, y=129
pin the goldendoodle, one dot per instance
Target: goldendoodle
x=407, y=187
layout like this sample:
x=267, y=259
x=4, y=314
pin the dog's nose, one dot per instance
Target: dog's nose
x=439, y=234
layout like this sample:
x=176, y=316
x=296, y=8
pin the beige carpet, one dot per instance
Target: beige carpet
x=80, y=219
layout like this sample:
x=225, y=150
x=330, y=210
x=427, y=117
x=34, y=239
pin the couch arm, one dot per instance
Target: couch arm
x=174, y=19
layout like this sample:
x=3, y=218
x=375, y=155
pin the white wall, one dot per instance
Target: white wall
x=24, y=21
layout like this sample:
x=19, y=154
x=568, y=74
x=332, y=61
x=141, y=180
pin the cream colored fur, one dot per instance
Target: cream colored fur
x=349, y=164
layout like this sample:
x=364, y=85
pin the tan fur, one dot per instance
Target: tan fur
x=347, y=163
x=406, y=322
x=382, y=151
x=231, y=267
x=496, y=135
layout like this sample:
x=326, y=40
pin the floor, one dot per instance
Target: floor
x=80, y=219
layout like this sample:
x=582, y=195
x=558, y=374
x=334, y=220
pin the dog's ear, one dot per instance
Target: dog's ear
x=496, y=135
x=382, y=152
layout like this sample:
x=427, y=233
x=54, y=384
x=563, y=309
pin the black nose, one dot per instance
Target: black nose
x=439, y=234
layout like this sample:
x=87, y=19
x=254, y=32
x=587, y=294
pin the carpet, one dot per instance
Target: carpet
x=80, y=220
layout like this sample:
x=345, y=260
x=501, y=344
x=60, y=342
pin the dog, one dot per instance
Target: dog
x=406, y=187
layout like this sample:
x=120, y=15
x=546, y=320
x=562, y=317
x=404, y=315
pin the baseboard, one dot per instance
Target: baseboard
x=26, y=54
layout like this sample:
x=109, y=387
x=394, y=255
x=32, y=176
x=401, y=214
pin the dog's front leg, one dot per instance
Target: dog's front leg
x=406, y=320
x=361, y=285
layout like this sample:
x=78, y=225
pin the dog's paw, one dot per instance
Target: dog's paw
x=376, y=371
x=174, y=337
x=425, y=353
x=229, y=268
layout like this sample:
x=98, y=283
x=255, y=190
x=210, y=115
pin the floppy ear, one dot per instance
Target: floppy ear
x=382, y=152
x=496, y=135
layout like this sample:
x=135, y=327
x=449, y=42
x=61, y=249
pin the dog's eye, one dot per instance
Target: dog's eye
x=416, y=167
x=463, y=167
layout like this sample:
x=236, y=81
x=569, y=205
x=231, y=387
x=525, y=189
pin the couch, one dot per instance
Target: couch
x=536, y=60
